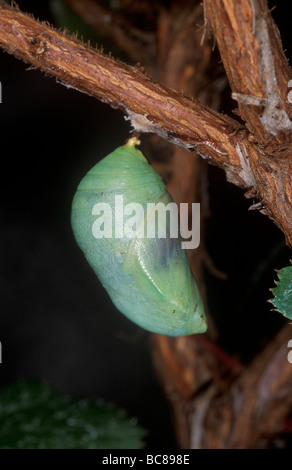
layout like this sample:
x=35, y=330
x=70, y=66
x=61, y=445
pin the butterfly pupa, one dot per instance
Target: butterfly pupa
x=149, y=280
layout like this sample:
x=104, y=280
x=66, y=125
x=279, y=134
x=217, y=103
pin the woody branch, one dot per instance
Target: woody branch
x=152, y=107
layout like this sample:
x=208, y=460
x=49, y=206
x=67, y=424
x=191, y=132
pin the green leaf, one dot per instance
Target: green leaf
x=283, y=292
x=34, y=416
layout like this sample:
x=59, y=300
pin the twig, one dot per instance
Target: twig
x=258, y=73
x=259, y=80
x=260, y=399
x=150, y=106
x=241, y=410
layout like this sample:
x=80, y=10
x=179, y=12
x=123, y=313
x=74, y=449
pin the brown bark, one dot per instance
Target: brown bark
x=253, y=407
x=258, y=73
x=222, y=404
x=247, y=36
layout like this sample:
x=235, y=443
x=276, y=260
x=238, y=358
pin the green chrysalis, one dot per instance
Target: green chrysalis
x=148, y=279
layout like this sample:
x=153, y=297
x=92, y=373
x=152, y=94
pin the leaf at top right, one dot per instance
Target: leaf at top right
x=283, y=292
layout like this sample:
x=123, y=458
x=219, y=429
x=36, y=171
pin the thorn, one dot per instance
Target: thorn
x=237, y=112
x=250, y=193
x=257, y=206
x=31, y=67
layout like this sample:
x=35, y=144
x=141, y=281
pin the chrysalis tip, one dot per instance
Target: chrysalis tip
x=132, y=142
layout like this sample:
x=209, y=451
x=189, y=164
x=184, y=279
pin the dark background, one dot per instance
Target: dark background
x=56, y=321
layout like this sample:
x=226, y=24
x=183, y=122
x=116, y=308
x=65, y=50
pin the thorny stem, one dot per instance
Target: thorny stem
x=152, y=107
x=149, y=105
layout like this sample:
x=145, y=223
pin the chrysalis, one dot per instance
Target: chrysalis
x=148, y=278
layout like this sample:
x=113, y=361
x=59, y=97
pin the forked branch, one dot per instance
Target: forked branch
x=265, y=168
x=250, y=39
x=150, y=106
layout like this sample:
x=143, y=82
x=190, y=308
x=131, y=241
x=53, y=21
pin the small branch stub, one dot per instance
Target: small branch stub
x=133, y=142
